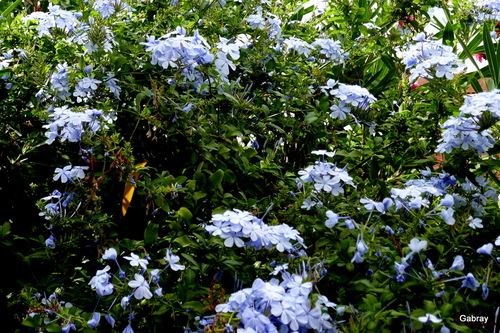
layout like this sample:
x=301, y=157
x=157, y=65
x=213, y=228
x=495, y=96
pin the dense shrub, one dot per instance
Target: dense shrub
x=248, y=166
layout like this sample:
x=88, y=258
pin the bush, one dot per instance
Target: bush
x=249, y=166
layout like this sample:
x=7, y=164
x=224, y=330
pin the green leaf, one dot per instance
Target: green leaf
x=30, y=322
x=53, y=327
x=195, y=305
x=183, y=241
x=5, y=229
x=310, y=118
x=216, y=178
x=460, y=328
x=151, y=233
x=11, y=8
x=185, y=214
x=199, y=194
x=491, y=55
x=448, y=35
x=190, y=258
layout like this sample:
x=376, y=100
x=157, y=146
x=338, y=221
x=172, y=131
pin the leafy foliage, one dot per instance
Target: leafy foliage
x=284, y=165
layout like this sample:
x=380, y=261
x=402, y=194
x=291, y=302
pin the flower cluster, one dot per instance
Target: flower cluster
x=85, y=89
x=330, y=49
x=57, y=204
x=241, y=228
x=5, y=60
x=466, y=131
x=55, y=18
x=486, y=10
x=431, y=59
x=348, y=96
x=270, y=22
x=70, y=125
x=106, y=8
x=69, y=173
x=92, y=36
x=140, y=283
x=326, y=178
x=281, y=306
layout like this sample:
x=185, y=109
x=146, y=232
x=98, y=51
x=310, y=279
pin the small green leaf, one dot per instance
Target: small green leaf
x=183, y=241
x=216, y=178
x=310, y=118
x=190, y=258
x=151, y=233
x=185, y=214
x=194, y=305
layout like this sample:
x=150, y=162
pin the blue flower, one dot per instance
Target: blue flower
x=361, y=245
x=188, y=107
x=50, y=242
x=485, y=290
x=141, y=287
x=470, y=282
x=172, y=260
x=458, y=264
x=110, y=319
x=100, y=282
x=256, y=21
x=110, y=254
x=94, y=321
x=428, y=318
x=135, y=261
x=485, y=249
x=128, y=329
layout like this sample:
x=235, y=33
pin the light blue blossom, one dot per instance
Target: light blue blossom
x=136, y=261
x=431, y=59
x=417, y=245
x=458, y=264
x=106, y=8
x=100, y=282
x=429, y=318
x=141, y=287
x=340, y=111
x=110, y=254
x=356, y=96
x=299, y=45
x=486, y=249
x=110, y=319
x=447, y=215
x=470, y=282
x=94, y=321
x=69, y=173
x=475, y=223
x=50, y=242
x=331, y=49
x=173, y=260
x=256, y=21
x=241, y=228
x=128, y=329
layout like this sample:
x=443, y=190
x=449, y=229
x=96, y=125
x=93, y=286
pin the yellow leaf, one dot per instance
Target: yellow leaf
x=128, y=192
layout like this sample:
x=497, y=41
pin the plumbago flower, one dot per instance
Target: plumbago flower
x=348, y=96
x=326, y=179
x=85, y=90
x=184, y=53
x=280, y=305
x=138, y=278
x=243, y=229
x=57, y=206
x=69, y=173
x=430, y=59
x=66, y=124
x=91, y=36
x=486, y=10
x=467, y=131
